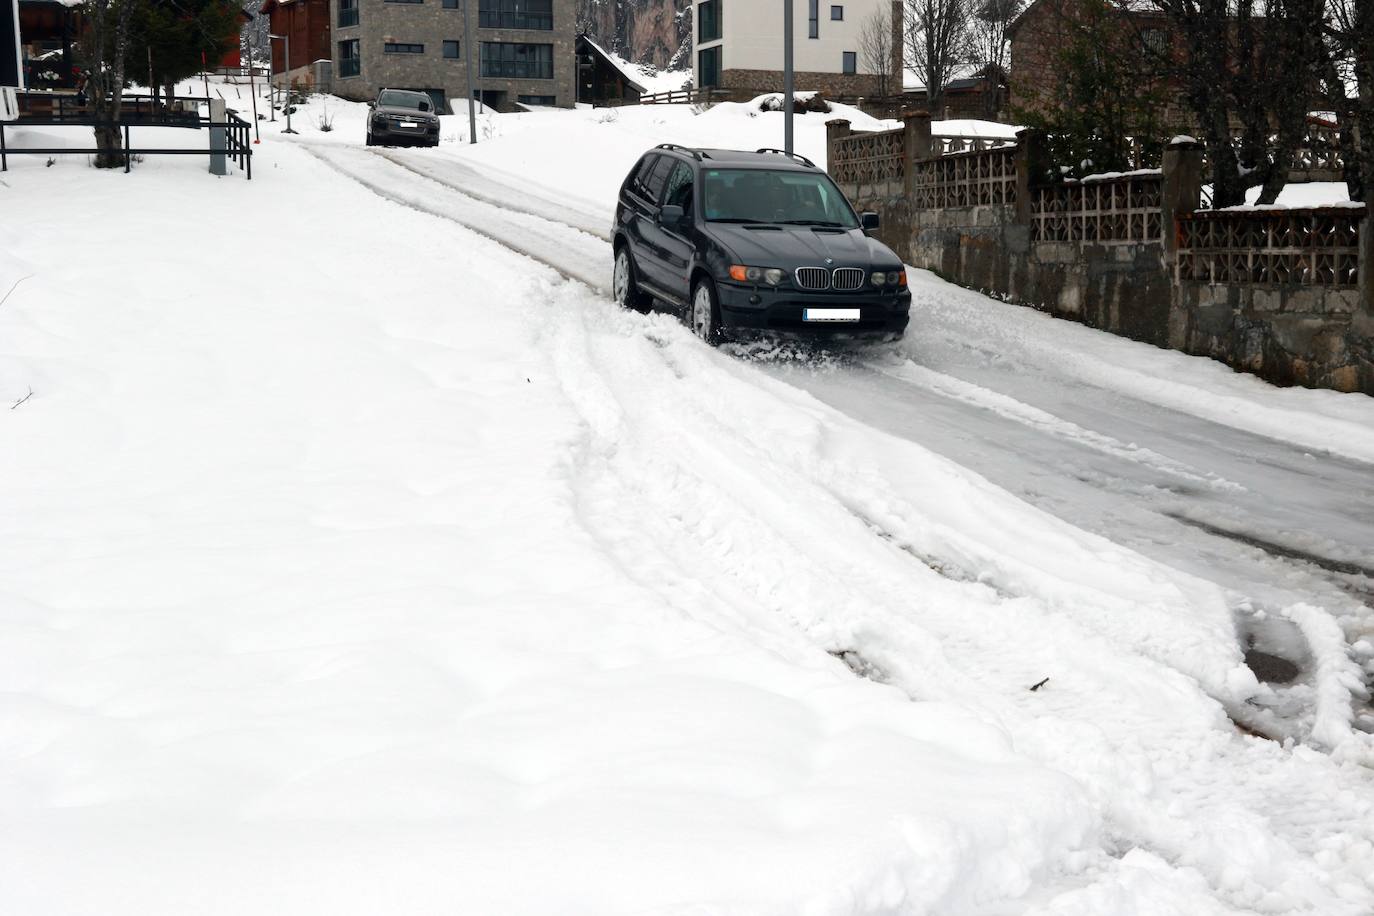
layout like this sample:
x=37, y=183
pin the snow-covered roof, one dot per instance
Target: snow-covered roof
x=622, y=65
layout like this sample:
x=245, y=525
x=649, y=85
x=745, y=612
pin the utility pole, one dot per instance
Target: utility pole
x=788, y=73
x=469, y=52
x=286, y=76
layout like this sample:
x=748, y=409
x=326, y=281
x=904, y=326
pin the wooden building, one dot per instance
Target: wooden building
x=306, y=22
x=602, y=78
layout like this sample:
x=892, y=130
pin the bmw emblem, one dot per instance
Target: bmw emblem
x=830, y=260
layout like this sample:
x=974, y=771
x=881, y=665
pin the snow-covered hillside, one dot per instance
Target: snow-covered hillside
x=352, y=562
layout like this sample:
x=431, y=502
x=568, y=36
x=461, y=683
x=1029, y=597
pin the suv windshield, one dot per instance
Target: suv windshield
x=403, y=100
x=790, y=197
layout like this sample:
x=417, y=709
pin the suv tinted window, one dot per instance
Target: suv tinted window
x=679, y=188
x=639, y=178
x=653, y=185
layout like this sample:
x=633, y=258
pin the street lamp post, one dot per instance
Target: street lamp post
x=469, y=53
x=788, y=74
x=286, y=72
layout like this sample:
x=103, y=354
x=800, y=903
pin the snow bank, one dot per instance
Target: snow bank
x=303, y=610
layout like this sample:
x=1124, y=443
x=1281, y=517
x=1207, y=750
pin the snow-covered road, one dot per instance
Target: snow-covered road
x=406, y=575
x=1277, y=520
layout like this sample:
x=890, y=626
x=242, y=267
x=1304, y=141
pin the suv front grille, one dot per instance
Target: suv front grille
x=848, y=278
x=813, y=278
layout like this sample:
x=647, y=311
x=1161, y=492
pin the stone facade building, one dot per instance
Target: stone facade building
x=739, y=46
x=525, y=54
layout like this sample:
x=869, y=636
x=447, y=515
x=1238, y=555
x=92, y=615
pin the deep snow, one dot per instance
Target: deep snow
x=347, y=585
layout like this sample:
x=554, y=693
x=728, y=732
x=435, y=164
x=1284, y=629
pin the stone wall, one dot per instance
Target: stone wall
x=750, y=83
x=1285, y=295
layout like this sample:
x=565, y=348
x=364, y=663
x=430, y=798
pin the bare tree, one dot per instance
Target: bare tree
x=875, y=48
x=990, y=48
x=104, y=47
x=1348, y=88
x=937, y=33
x=1252, y=69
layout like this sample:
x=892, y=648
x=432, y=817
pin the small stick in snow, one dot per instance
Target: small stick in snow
x=14, y=287
x=23, y=399
x=1036, y=687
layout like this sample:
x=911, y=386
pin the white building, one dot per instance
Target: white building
x=739, y=45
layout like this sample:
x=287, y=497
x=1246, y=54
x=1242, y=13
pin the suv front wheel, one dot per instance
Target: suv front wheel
x=704, y=314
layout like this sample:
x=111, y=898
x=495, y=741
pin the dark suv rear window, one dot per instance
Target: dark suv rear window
x=649, y=179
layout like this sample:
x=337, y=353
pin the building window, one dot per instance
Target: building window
x=348, y=13
x=350, y=64
x=548, y=101
x=708, y=28
x=516, y=14
x=837, y=14
x=452, y=50
x=517, y=62
x=851, y=62
x=452, y=5
x=1155, y=42
x=815, y=19
x=708, y=67
x=403, y=47
x=405, y=1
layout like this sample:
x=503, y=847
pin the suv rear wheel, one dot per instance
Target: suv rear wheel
x=624, y=285
x=704, y=314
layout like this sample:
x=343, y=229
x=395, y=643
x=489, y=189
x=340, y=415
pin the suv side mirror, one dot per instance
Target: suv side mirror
x=870, y=221
x=672, y=216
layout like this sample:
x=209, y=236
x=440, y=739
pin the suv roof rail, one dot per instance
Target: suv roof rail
x=800, y=158
x=696, y=154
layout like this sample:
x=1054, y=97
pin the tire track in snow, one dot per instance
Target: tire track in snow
x=636, y=457
x=534, y=236
x=583, y=257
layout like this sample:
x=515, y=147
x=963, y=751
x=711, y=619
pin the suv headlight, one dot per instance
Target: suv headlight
x=770, y=275
x=889, y=279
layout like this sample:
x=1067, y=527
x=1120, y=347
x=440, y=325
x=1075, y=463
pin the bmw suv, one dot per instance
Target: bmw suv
x=753, y=242
x=401, y=116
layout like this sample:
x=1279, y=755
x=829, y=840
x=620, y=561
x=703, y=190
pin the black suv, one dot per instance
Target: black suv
x=401, y=116
x=757, y=241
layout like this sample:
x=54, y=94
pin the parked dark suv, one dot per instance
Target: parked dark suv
x=401, y=116
x=761, y=242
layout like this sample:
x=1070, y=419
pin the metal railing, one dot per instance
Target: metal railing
x=138, y=113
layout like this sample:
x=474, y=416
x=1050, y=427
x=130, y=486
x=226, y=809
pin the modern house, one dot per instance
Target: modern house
x=739, y=46
x=526, y=50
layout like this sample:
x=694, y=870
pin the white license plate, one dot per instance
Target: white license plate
x=408, y=124
x=830, y=315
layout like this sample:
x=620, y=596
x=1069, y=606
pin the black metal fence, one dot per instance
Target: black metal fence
x=60, y=110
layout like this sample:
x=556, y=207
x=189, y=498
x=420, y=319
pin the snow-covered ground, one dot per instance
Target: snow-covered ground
x=351, y=562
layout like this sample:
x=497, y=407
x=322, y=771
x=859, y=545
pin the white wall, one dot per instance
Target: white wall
x=752, y=34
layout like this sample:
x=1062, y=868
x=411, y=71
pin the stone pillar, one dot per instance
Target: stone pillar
x=218, y=138
x=1033, y=167
x=1181, y=194
x=918, y=144
x=836, y=129
x=1182, y=190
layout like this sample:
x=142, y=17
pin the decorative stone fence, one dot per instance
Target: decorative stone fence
x=1283, y=293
